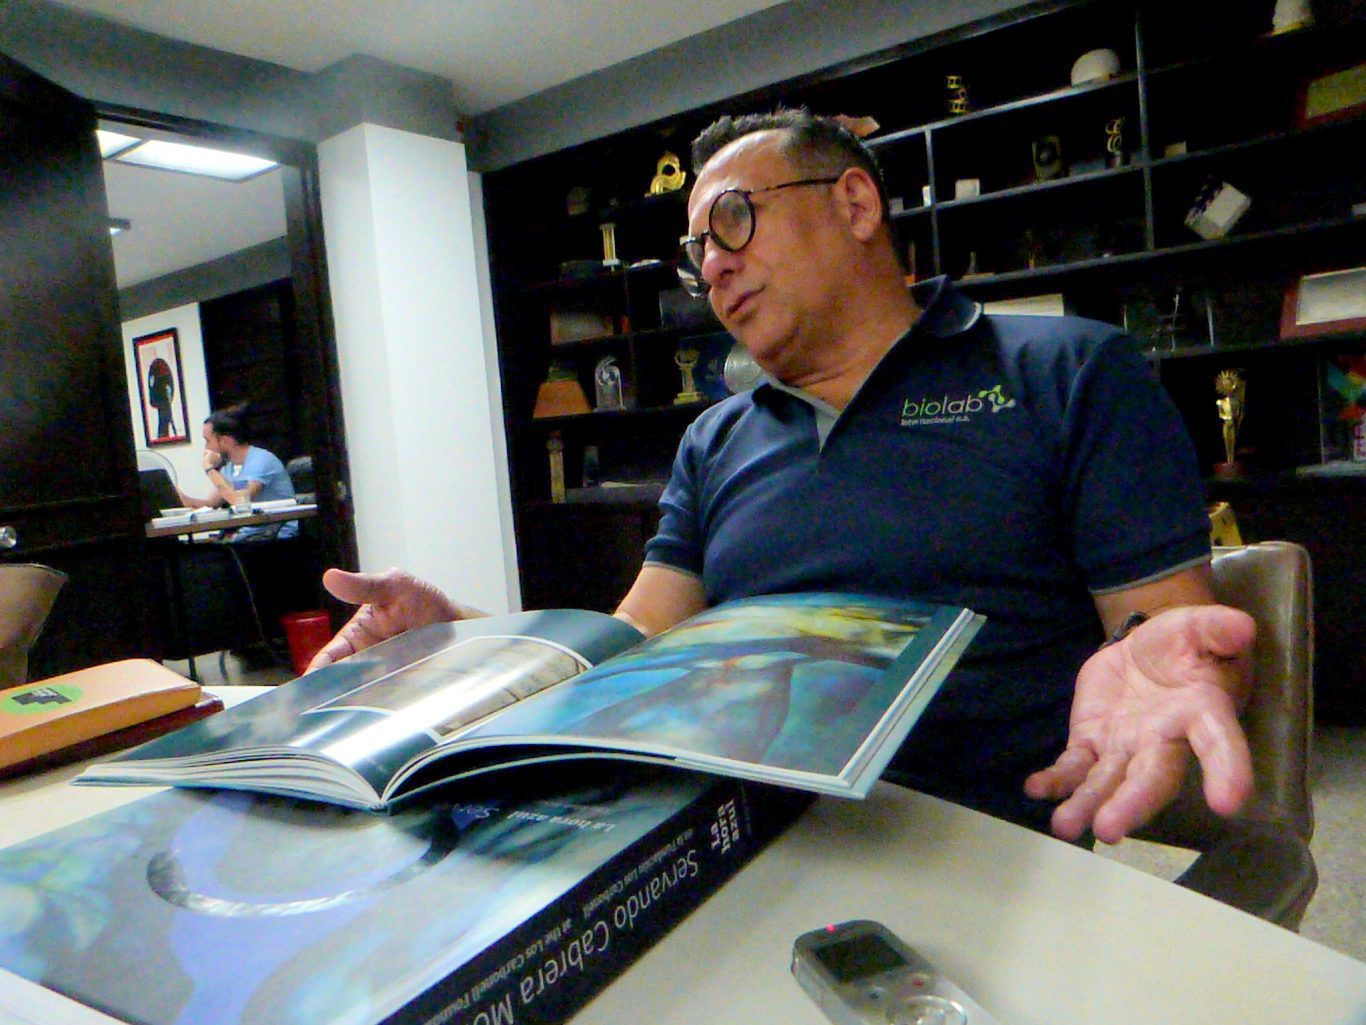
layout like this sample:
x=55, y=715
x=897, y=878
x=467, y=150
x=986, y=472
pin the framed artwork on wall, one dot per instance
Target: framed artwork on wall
x=1333, y=302
x=161, y=388
x=1336, y=96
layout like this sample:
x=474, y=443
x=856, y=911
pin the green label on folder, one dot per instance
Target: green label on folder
x=39, y=698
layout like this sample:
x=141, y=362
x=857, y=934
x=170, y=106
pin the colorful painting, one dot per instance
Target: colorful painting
x=787, y=681
x=161, y=388
x=1344, y=406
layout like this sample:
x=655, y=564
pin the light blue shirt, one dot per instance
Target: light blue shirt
x=264, y=466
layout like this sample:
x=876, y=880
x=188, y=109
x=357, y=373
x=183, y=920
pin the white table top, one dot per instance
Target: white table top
x=1038, y=931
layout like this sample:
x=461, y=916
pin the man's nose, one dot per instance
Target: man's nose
x=717, y=263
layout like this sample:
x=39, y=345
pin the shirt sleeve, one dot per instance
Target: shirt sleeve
x=1132, y=487
x=254, y=467
x=678, y=542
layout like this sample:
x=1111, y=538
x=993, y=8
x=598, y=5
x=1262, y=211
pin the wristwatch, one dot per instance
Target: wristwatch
x=1131, y=623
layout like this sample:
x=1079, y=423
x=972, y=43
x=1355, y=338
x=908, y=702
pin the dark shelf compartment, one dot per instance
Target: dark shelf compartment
x=1255, y=144
x=624, y=493
x=1167, y=259
x=1033, y=189
x=687, y=413
x=608, y=277
x=1215, y=33
x=1096, y=220
x=621, y=339
x=1058, y=96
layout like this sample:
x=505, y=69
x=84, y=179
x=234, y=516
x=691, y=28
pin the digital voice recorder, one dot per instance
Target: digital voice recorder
x=860, y=973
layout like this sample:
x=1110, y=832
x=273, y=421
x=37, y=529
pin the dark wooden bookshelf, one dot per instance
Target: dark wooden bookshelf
x=1108, y=235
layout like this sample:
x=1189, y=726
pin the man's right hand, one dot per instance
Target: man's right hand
x=390, y=603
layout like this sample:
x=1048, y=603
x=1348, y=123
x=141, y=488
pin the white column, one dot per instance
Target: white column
x=419, y=374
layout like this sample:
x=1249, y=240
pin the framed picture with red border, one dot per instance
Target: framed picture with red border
x=161, y=388
x=1333, y=302
x=1334, y=96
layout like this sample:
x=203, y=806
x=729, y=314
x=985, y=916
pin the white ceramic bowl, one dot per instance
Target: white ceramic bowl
x=1095, y=66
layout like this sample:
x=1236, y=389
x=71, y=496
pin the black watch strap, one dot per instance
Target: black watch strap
x=1131, y=623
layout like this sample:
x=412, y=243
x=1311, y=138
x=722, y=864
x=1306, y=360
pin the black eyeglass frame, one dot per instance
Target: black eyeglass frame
x=690, y=268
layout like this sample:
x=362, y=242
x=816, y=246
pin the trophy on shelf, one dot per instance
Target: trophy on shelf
x=1046, y=152
x=1114, y=142
x=957, y=94
x=560, y=394
x=1291, y=16
x=686, y=360
x=1176, y=321
x=554, y=446
x=669, y=175
x=607, y=385
x=576, y=200
x=1232, y=390
x=609, y=244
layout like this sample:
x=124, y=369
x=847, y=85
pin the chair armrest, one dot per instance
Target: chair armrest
x=1262, y=868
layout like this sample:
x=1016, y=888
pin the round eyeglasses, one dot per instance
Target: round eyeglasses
x=730, y=224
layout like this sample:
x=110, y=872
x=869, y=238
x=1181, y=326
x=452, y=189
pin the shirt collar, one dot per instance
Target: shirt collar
x=944, y=311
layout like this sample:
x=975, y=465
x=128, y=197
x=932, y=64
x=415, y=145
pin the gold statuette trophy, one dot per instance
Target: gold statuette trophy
x=686, y=359
x=669, y=175
x=1232, y=391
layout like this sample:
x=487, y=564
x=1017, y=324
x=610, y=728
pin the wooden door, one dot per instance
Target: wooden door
x=68, y=491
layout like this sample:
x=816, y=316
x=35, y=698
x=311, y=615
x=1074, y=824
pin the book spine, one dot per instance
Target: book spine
x=556, y=961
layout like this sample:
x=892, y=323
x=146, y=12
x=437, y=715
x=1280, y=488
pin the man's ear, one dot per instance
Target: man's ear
x=859, y=201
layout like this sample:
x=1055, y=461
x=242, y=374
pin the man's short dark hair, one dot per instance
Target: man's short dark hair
x=815, y=146
x=231, y=421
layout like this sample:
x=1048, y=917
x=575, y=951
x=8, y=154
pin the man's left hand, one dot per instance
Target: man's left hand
x=1173, y=686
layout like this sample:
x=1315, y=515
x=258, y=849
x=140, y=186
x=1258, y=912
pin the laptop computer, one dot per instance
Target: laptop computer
x=157, y=493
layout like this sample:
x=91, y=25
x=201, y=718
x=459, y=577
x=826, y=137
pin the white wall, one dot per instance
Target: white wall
x=184, y=456
x=495, y=388
x=419, y=380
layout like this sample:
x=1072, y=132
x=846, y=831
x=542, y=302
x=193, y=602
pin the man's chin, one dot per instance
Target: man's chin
x=770, y=361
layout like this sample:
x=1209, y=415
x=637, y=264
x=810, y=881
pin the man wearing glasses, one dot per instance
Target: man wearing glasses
x=903, y=443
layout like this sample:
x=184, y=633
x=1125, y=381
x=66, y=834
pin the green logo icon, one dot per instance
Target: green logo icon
x=997, y=399
x=39, y=699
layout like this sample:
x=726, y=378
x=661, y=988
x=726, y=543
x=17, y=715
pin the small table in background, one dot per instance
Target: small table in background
x=182, y=534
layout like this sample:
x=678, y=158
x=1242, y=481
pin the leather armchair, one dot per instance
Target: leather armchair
x=27, y=592
x=1259, y=860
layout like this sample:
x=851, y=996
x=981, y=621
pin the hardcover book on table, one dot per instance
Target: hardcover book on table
x=813, y=691
x=93, y=711
x=231, y=908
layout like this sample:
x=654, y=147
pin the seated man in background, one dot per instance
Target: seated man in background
x=906, y=444
x=233, y=464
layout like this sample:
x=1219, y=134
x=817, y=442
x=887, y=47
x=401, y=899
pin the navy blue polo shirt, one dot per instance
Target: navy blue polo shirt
x=1013, y=465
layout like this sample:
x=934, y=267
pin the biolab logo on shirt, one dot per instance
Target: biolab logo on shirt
x=946, y=409
x=36, y=700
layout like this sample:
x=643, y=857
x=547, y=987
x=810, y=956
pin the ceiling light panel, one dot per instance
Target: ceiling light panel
x=113, y=143
x=175, y=156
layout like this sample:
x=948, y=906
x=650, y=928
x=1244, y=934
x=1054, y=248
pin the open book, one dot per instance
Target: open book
x=814, y=691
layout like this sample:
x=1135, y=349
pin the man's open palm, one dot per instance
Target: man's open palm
x=1173, y=686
